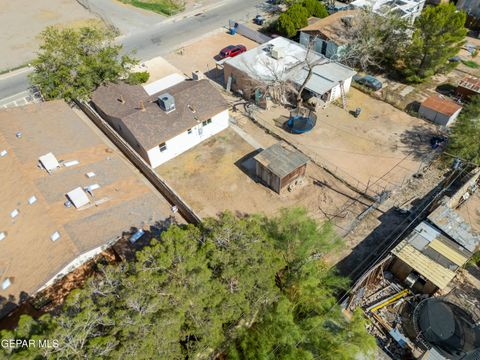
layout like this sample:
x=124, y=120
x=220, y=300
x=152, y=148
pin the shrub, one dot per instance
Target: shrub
x=138, y=78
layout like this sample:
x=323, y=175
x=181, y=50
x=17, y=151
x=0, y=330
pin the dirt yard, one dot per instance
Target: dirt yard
x=22, y=20
x=201, y=54
x=381, y=148
x=217, y=175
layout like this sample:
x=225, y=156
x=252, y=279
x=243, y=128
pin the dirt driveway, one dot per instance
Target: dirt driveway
x=381, y=148
x=212, y=178
x=200, y=55
x=22, y=20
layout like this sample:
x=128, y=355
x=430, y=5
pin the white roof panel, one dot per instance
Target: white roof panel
x=163, y=83
x=49, y=161
x=78, y=197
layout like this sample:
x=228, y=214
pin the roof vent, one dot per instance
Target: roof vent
x=166, y=102
x=277, y=53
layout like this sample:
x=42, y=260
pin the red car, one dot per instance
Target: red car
x=232, y=51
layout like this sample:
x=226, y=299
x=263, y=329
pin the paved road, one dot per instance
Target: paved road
x=161, y=38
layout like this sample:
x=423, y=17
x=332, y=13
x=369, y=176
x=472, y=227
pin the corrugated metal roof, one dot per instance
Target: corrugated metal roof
x=471, y=83
x=280, y=160
x=431, y=254
x=441, y=105
x=436, y=273
x=451, y=223
x=448, y=252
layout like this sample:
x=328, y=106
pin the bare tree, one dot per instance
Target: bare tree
x=374, y=41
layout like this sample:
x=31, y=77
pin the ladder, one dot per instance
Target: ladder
x=344, y=97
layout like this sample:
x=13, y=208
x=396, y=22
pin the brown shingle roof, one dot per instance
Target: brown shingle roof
x=153, y=125
x=441, y=105
x=28, y=255
x=331, y=27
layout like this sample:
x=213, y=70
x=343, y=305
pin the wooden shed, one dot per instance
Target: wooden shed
x=280, y=167
x=440, y=110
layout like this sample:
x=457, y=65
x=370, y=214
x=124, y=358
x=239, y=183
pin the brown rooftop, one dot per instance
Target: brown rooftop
x=151, y=125
x=28, y=256
x=331, y=27
x=441, y=105
x=471, y=83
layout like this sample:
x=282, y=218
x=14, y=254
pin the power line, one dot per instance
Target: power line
x=386, y=250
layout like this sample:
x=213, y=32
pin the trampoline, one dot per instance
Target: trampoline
x=300, y=124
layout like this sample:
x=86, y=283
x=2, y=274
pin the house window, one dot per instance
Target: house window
x=162, y=147
x=206, y=122
x=189, y=131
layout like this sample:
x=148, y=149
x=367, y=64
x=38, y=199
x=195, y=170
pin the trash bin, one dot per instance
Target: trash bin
x=233, y=31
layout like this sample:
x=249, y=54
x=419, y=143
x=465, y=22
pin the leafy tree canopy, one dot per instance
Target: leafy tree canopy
x=464, y=140
x=242, y=287
x=439, y=34
x=72, y=63
x=296, y=17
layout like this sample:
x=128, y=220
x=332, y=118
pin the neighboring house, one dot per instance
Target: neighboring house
x=430, y=257
x=405, y=9
x=66, y=195
x=280, y=168
x=165, y=122
x=467, y=87
x=328, y=34
x=472, y=8
x=283, y=60
x=440, y=110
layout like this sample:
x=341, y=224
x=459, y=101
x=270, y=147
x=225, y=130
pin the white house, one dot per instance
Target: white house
x=406, y=9
x=162, y=122
x=286, y=60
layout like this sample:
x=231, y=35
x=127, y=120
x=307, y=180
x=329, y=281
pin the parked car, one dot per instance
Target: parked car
x=368, y=81
x=232, y=51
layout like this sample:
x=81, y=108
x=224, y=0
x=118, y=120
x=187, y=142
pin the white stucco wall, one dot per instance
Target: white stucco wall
x=185, y=141
x=80, y=260
x=336, y=93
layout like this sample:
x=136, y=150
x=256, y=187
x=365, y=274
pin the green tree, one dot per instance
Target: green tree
x=295, y=18
x=439, y=34
x=464, y=140
x=72, y=63
x=233, y=285
x=315, y=8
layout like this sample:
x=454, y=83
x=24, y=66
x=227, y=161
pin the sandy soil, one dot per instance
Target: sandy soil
x=200, y=55
x=381, y=148
x=212, y=178
x=22, y=20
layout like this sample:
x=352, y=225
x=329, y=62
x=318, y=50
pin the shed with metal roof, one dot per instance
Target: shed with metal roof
x=280, y=167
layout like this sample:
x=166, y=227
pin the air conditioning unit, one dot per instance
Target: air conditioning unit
x=277, y=53
x=166, y=102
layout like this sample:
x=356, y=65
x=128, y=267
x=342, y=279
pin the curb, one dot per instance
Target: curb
x=199, y=11
x=15, y=72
